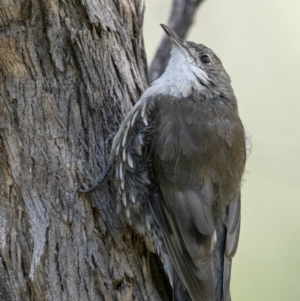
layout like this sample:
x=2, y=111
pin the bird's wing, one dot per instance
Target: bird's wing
x=188, y=229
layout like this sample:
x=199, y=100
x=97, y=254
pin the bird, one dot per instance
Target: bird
x=179, y=158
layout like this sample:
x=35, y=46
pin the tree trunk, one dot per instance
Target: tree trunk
x=69, y=72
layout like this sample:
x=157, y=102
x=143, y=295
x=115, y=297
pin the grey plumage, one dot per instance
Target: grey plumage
x=179, y=157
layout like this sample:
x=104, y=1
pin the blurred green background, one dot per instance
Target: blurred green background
x=259, y=45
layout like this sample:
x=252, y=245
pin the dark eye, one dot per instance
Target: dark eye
x=205, y=59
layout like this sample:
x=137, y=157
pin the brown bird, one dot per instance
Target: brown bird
x=179, y=158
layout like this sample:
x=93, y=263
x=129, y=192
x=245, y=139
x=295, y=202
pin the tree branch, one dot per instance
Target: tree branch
x=181, y=18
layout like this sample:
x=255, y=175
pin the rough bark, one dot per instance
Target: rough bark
x=69, y=71
x=180, y=20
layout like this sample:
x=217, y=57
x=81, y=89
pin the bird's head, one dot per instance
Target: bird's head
x=198, y=60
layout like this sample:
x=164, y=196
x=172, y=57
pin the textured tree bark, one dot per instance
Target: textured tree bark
x=69, y=71
x=180, y=20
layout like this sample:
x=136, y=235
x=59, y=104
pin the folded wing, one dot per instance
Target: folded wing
x=188, y=229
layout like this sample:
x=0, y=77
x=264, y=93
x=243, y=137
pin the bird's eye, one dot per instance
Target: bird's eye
x=205, y=59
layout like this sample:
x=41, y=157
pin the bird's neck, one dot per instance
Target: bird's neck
x=180, y=78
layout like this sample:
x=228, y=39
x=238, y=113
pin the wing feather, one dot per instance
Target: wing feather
x=232, y=238
x=233, y=227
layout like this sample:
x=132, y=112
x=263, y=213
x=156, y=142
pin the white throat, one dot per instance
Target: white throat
x=180, y=77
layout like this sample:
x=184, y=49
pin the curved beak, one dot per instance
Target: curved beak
x=173, y=37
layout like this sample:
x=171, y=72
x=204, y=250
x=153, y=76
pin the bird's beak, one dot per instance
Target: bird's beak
x=173, y=37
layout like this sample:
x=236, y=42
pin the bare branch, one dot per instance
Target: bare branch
x=181, y=18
